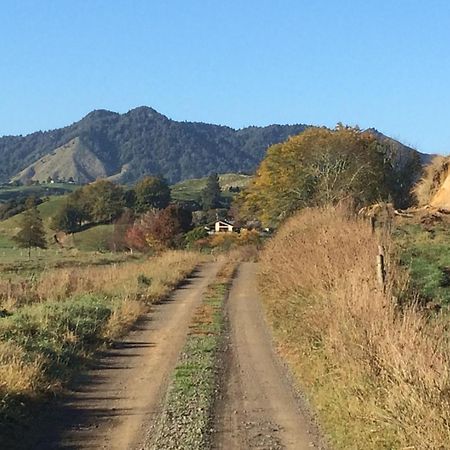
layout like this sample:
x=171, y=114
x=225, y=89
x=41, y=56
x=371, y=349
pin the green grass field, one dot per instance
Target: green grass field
x=94, y=239
x=191, y=189
x=9, y=227
x=9, y=192
x=82, y=247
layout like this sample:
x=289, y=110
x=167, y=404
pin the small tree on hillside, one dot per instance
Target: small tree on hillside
x=32, y=233
x=118, y=240
x=103, y=200
x=152, y=192
x=68, y=218
x=211, y=194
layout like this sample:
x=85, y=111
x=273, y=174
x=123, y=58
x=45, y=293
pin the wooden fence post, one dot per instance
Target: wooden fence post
x=372, y=223
x=381, y=273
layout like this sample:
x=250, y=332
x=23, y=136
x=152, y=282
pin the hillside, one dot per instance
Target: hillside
x=192, y=189
x=128, y=146
x=425, y=158
x=124, y=147
x=91, y=239
x=72, y=160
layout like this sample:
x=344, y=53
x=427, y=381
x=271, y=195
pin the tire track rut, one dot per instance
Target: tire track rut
x=258, y=408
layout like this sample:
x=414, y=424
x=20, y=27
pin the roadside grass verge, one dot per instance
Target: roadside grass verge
x=378, y=375
x=186, y=419
x=51, y=326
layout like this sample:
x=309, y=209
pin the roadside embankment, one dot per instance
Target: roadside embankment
x=377, y=375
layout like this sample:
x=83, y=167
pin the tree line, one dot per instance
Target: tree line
x=103, y=202
x=144, y=216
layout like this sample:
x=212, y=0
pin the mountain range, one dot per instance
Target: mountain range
x=125, y=147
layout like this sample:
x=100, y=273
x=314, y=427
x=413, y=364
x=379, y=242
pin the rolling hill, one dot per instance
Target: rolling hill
x=191, y=189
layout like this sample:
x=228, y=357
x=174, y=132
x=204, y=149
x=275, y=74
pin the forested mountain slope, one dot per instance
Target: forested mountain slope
x=140, y=142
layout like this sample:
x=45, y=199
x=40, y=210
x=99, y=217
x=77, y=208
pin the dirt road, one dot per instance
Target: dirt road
x=118, y=402
x=258, y=409
x=115, y=404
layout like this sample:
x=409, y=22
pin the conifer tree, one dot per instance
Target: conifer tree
x=211, y=195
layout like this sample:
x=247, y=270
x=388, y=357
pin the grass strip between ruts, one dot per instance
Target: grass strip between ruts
x=186, y=416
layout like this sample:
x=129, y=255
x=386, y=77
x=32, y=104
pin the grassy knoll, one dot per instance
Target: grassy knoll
x=191, y=189
x=79, y=246
x=185, y=422
x=51, y=324
x=47, y=209
x=89, y=247
x=94, y=239
x=377, y=375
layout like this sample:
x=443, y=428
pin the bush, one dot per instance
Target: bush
x=191, y=237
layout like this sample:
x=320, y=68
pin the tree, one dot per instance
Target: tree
x=118, y=241
x=99, y=202
x=159, y=229
x=211, y=194
x=32, y=233
x=152, y=192
x=68, y=218
x=167, y=225
x=135, y=238
x=103, y=201
x=318, y=167
x=130, y=198
x=195, y=235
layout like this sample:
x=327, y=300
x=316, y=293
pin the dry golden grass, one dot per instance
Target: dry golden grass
x=17, y=375
x=116, y=280
x=163, y=273
x=434, y=176
x=377, y=376
x=66, y=314
x=239, y=254
x=122, y=318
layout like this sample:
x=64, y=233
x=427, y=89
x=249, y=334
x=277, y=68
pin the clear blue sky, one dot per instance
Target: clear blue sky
x=374, y=63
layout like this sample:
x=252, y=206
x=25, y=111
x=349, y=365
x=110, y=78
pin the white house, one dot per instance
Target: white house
x=222, y=226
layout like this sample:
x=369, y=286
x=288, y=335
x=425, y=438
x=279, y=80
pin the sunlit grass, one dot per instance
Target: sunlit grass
x=52, y=323
x=377, y=375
